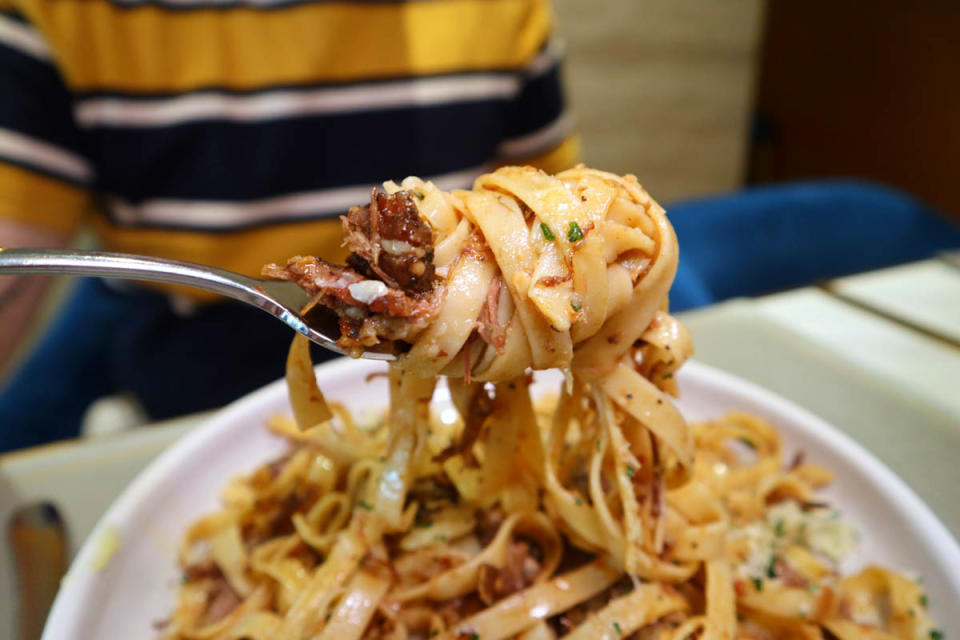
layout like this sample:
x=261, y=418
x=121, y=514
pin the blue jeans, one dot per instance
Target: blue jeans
x=746, y=243
x=106, y=341
x=773, y=238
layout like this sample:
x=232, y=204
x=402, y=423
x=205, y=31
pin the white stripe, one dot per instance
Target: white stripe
x=551, y=54
x=539, y=140
x=21, y=148
x=285, y=103
x=216, y=105
x=226, y=215
x=24, y=38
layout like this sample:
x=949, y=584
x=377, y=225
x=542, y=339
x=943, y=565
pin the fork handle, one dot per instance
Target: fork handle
x=130, y=267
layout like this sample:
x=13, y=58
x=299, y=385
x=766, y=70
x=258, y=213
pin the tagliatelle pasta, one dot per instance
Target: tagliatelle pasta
x=595, y=513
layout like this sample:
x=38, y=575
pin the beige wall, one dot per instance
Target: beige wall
x=664, y=88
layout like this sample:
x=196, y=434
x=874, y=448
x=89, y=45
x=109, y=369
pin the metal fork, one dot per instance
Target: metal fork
x=282, y=300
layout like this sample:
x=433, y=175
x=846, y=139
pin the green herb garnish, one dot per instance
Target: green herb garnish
x=364, y=505
x=772, y=567
x=748, y=442
x=578, y=502
x=426, y=523
x=616, y=627
x=546, y=232
x=574, y=232
x=575, y=306
x=779, y=529
x=667, y=376
x=757, y=583
x=923, y=601
x=936, y=634
x=630, y=471
x=419, y=195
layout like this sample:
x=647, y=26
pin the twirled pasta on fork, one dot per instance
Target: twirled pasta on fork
x=596, y=513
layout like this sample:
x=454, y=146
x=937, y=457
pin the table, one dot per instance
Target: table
x=877, y=355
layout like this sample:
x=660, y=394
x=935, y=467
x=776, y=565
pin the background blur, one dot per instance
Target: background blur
x=700, y=98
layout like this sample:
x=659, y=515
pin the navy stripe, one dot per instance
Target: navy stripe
x=239, y=161
x=34, y=101
x=540, y=102
x=14, y=16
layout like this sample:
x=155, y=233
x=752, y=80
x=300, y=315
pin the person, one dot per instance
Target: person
x=232, y=133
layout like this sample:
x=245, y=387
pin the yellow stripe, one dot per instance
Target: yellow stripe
x=561, y=157
x=33, y=198
x=101, y=47
x=243, y=251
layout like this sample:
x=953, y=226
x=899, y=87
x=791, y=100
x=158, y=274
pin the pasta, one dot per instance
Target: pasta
x=597, y=512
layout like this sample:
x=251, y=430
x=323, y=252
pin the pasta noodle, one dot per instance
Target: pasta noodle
x=597, y=512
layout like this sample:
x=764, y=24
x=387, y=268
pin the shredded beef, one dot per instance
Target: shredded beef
x=390, y=241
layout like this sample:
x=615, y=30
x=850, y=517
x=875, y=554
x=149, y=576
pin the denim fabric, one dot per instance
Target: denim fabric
x=773, y=238
x=107, y=341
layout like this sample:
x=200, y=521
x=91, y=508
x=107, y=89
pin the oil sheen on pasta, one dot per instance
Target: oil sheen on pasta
x=594, y=512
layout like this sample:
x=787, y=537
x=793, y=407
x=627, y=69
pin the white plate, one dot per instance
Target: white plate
x=137, y=586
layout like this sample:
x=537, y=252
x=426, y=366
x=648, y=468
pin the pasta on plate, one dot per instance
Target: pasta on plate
x=595, y=512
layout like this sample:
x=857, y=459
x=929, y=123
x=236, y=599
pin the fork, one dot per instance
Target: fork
x=282, y=300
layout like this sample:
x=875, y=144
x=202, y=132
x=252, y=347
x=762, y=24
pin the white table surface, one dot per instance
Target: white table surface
x=893, y=388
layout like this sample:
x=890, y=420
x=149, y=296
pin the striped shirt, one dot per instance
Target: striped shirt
x=234, y=132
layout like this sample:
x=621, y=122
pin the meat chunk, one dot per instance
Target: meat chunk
x=388, y=291
x=390, y=241
x=338, y=287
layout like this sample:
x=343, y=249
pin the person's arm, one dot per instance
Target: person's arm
x=45, y=177
x=20, y=295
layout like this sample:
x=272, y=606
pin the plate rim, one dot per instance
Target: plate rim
x=80, y=578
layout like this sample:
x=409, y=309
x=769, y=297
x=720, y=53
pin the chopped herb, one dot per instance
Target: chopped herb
x=936, y=634
x=779, y=529
x=383, y=458
x=441, y=538
x=546, y=232
x=616, y=627
x=598, y=445
x=578, y=501
x=757, y=583
x=423, y=524
x=327, y=617
x=772, y=567
x=419, y=195
x=749, y=443
x=474, y=636
x=364, y=505
x=574, y=232
x=667, y=376
x=575, y=306
x=923, y=601
x=812, y=588
x=630, y=471
x=913, y=614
